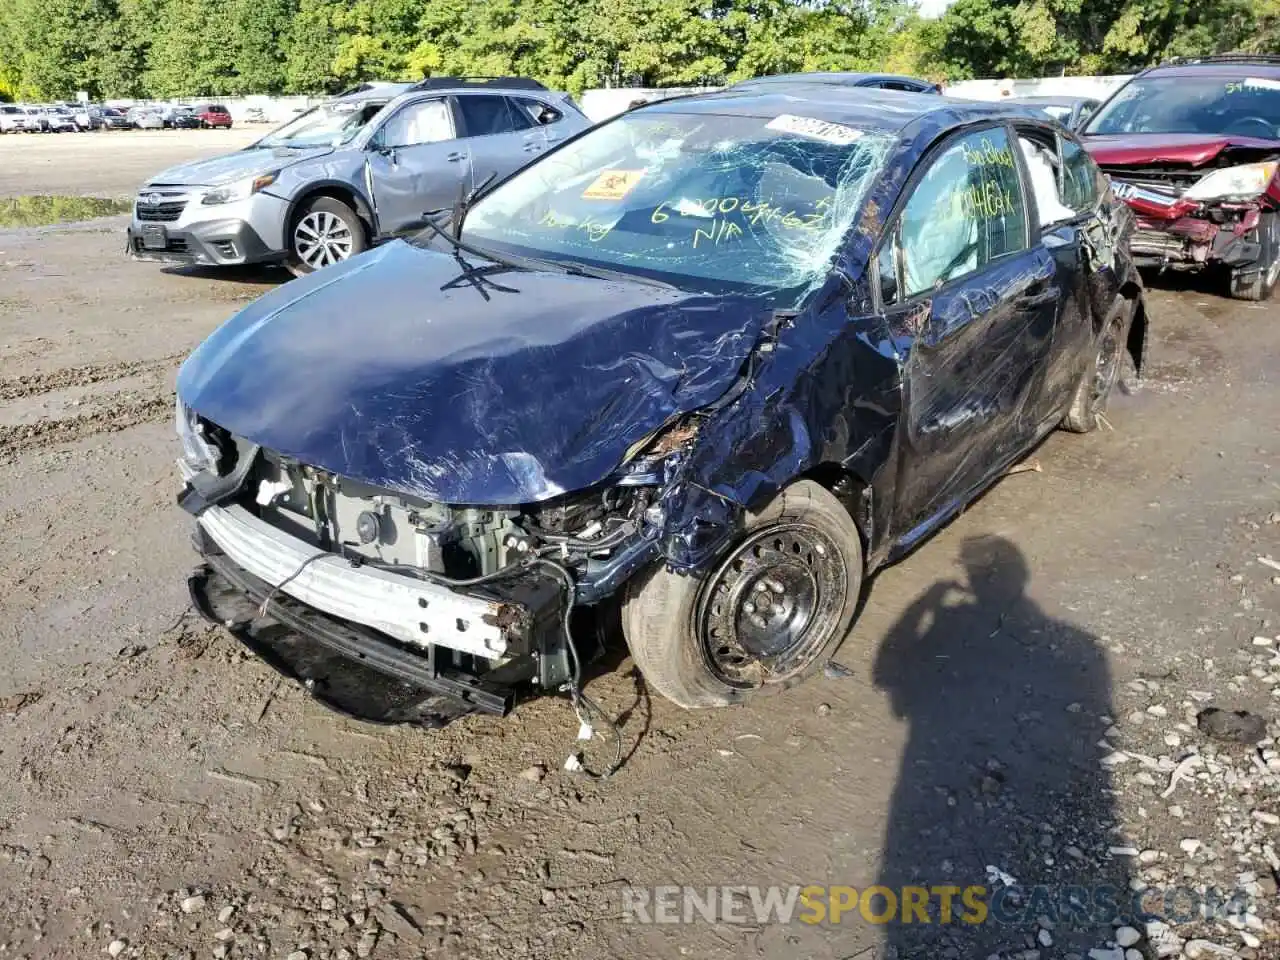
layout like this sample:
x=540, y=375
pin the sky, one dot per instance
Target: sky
x=933, y=8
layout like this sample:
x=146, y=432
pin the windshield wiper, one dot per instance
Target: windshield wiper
x=461, y=246
x=580, y=269
x=477, y=276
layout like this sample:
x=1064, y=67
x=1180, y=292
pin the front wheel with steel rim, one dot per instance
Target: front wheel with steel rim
x=766, y=615
x=1100, y=377
x=324, y=232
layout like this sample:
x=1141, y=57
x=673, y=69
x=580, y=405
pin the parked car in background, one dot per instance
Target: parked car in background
x=87, y=116
x=180, y=118
x=342, y=176
x=13, y=118
x=1071, y=112
x=113, y=119
x=36, y=120
x=1192, y=146
x=714, y=362
x=146, y=118
x=879, y=81
x=60, y=120
x=213, y=115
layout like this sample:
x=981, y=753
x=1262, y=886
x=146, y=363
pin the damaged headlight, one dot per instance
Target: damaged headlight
x=198, y=452
x=240, y=190
x=1245, y=182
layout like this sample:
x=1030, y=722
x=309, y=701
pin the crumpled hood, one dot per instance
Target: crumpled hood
x=235, y=166
x=372, y=371
x=1193, y=149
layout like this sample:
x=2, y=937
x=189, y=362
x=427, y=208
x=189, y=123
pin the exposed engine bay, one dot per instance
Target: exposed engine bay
x=466, y=603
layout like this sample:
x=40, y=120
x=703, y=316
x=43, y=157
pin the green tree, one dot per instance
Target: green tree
x=260, y=26
x=310, y=45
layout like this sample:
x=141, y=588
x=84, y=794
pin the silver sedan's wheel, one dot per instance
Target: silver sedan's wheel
x=322, y=239
x=326, y=231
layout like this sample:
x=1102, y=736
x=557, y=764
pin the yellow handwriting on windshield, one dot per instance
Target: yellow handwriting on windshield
x=721, y=219
x=594, y=229
x=720, y=231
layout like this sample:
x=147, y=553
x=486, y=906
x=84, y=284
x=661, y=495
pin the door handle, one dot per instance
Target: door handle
x=1037, y=294
x=455, y=157
x=532, y=148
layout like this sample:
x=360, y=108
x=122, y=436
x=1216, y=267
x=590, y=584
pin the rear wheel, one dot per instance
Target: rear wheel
x=1258, y=281
x=324, y=232
x=1094, y=389
x=767, y=616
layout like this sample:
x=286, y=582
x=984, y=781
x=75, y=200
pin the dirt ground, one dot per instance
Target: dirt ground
x=1021, y=690
x=106, y=163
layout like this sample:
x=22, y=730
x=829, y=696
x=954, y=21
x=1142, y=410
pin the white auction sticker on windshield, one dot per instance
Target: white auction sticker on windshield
x=1262, y=83
x=814, y=128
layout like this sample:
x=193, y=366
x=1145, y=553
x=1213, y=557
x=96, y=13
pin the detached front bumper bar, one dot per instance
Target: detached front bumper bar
x=347, y=666
x=415, y=612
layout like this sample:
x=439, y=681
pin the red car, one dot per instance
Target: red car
x=1192, y=146
x=213, y=115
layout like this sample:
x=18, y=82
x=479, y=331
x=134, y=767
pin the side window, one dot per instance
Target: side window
x=484, y=114
x=426, y=121
x=536, y=110
x=521, y=119
x=965, y=212
x=1080, y=177
x=1040, y=152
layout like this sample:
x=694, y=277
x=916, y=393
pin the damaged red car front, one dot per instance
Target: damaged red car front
x=1193, y=147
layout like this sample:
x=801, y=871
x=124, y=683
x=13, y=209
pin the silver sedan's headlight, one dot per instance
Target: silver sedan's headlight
x=240, y=190
x=197, y=452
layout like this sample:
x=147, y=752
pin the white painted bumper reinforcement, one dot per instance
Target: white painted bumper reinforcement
x=396, y=605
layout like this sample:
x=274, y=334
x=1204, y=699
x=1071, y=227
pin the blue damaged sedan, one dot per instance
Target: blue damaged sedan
x=706, y=366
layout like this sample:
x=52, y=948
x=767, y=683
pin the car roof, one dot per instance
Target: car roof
x=1225, y=65
x=834, y=77
x=1063, y=101
x=865, y=108
x=377, y=90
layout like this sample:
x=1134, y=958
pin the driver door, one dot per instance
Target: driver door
x=959, y=273
x=415, y=163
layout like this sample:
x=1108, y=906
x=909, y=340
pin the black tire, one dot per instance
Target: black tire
x=1258, y=281
x=318, y=212
x=1098, y=380
x=802, y=553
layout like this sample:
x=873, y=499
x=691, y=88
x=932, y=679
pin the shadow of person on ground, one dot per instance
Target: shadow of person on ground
x=1000, y=773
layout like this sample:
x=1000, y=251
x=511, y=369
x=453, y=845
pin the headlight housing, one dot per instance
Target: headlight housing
x=198, y=452
x=240, y=190
x=1245, y=182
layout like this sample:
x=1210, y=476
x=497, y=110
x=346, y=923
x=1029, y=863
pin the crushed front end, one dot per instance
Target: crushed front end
x=393, y=608
x=1190, y=218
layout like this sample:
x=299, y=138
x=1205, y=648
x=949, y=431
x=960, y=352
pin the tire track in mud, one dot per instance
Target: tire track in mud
x=34, y=384
x=110, y=418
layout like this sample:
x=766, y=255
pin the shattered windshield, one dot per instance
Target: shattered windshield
x=703, y=201
x=1246, y=107
x=324, y=126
